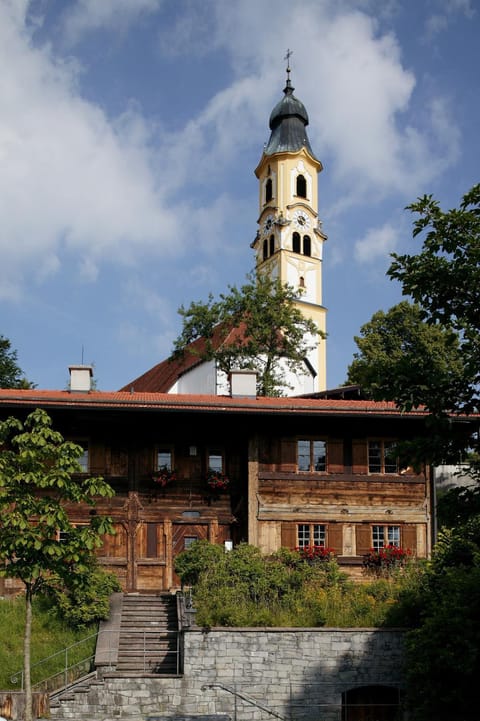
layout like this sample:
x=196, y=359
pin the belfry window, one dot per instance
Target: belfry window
x=296, y=242
x=272, y=245
x=301, y=186
x=307, y=245
x=265, y=249
x=268, y=190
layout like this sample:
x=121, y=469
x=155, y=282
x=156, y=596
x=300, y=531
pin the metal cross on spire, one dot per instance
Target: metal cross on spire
x=287, y=58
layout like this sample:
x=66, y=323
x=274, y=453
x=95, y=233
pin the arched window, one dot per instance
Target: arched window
x=301, y=186
x=272, y=245
x=307, y=245
x=265, y=249
x=268, y=190
x=296, y=242
x=301, y=282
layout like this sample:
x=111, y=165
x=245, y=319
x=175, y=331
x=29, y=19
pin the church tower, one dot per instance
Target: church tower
x=289, y=241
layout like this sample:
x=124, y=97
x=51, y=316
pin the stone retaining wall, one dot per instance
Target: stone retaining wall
x=275, y=673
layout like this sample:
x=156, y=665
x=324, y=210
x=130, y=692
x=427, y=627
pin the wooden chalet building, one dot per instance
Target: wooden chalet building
x=301, y=471
x=312, y=469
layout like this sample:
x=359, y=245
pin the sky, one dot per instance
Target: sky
x=129, y=135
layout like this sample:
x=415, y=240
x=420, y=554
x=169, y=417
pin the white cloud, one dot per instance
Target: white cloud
x=377, y=243
x=75, y=181
x=70, y=178
x=440, y=21
x=88, y=15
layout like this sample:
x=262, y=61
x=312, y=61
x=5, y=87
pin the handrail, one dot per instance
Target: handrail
x=246, y=698
x=70, y=672
x=65, y=652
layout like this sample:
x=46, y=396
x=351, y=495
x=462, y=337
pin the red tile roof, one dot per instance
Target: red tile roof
x=165, y=374
x=172, y=402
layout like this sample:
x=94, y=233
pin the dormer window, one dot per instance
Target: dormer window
x=301, y=186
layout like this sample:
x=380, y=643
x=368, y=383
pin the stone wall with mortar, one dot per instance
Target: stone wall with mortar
x=252, y=675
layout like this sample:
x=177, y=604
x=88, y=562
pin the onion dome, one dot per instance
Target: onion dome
x=288, y=121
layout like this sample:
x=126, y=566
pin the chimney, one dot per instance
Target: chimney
x=80, y=378
x=243, y=384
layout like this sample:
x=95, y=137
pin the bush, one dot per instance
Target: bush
x=87, y=599
x=243, y=588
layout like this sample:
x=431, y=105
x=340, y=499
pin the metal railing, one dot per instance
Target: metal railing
x=66, y=667
x=61, y=668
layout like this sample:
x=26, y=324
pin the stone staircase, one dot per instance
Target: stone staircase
x=148, y=635
x=139, y=641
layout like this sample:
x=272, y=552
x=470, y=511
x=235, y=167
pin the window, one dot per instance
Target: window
x=268, y=190
x=188, y=540
x=63, y=536
x=296, y=242
x=382, y=457
x=265, y=249
x=307, y=245
x=83, y=460
x=272, y=245
x=311, y=534
x=165, y=459
x=215, y=461
x=385, y=536
x=311, y=455
x=301, y=186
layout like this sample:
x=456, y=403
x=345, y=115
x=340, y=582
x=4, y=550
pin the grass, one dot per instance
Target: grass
x=50, y=635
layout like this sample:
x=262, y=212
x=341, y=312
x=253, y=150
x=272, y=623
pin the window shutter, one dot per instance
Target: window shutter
x=409, y=536
x=359, y=455
x=335, y=537
x=289, y=535
x=96, y=460
x=289, y=455
x=363, y=538
x=335, y=455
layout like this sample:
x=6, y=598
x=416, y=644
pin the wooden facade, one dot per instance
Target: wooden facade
x=344, y=501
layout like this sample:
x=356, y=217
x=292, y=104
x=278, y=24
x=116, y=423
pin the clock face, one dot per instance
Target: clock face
x=301, y=220
x=268, y=224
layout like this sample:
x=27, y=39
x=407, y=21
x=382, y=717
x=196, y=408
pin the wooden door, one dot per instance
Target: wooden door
x=183, y=535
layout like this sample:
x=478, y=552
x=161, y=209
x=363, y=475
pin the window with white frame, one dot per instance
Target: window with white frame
x=311, y=534
x=215, y=460
x=83, y=459
x=164, y=458
x=382, y=457
x=312, y=455
x=385, y=536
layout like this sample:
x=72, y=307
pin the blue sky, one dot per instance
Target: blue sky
x=130, y=130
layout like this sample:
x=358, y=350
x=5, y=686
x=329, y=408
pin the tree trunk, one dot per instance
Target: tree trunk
x=26, y=654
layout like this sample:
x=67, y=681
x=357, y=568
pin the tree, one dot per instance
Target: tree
x=257, y=326
x=404, y=359
x=426, y=354
x=36, y=467
x=444, y=279
x=11, y=376
x=442, y=612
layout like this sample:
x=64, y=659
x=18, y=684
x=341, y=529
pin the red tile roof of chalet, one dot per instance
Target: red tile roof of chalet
x=165, y=374
x=123, y=400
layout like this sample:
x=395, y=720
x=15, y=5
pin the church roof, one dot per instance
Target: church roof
x=165, y=374
x=288, y=121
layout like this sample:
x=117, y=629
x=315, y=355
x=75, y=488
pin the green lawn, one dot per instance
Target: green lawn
x=49, y=636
